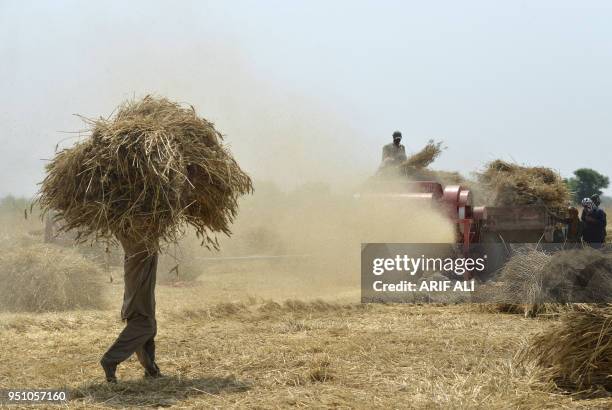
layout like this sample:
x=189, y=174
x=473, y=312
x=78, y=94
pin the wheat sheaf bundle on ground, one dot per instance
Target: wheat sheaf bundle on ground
x=538, y=282
x=42, y=278
x=577, y=352
x=510, y=184
x=146, y=173
x=517, y=286
x=521, y=280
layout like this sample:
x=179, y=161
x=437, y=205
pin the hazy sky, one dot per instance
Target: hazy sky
x=309, y=90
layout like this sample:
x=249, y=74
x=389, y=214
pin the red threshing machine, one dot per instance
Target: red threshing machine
x=478, y=225
x=455, y=201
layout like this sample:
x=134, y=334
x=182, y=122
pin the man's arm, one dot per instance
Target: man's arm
x=600, y=217
x=597, y=217
x=385, y=153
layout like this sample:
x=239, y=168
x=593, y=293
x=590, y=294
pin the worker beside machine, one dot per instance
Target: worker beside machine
x=571, y=233
x=594, y=222
x=574, y=227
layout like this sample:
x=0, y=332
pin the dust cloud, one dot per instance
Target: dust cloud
x=308, y=161
x=304, y=219
x=305, y=243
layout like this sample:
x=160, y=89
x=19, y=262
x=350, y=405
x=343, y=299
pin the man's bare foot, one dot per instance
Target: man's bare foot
x=152, y=373
x=109, y=371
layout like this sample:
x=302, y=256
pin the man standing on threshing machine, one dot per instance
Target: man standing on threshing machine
x=594, y=221
x=393, y=154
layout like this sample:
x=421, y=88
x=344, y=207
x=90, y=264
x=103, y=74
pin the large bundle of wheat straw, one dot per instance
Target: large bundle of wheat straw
x=547, y=283
x=416, y=166
x=577, y=352
x=510, y=184
x=423, y=158
x=521, y=280
x=41, y=278
x=145, y=173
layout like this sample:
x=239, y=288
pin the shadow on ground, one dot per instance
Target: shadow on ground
x=163, y=392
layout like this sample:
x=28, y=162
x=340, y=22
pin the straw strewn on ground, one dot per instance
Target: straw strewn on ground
x=267, y=356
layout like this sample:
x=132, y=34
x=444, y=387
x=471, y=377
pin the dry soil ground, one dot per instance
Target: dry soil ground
x=274, y=334
x=243, y=337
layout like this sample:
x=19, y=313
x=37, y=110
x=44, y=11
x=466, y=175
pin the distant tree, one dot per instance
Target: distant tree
x=587, y=182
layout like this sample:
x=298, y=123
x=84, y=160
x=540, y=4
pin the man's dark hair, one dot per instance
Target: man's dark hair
x=397, y=134
x=596, y=200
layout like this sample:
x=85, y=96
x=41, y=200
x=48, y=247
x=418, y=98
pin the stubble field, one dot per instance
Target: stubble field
x=277, y=333
x=221, y=345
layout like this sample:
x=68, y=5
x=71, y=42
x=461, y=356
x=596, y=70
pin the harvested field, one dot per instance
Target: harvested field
x=228, y=178
x=273, y=333
x=230, y=341
x=269, y=333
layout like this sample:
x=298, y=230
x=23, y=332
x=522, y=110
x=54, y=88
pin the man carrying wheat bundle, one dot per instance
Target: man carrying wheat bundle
x=140, y=178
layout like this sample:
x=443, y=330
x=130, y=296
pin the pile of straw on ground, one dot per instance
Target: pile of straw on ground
x=518, y=287
x=577, y=352
x=145, y=173
x=521, y=278
x=48, y=278
x=511, y=184
x=536, y=282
